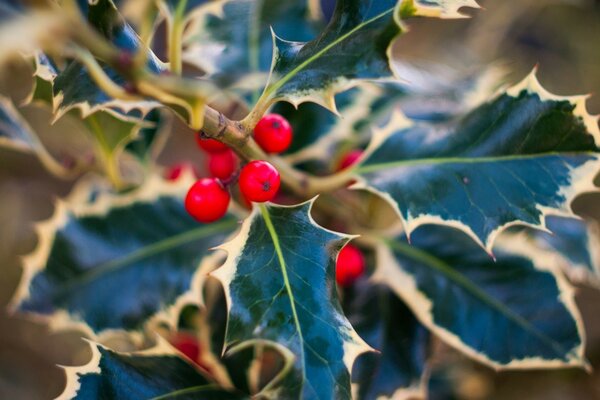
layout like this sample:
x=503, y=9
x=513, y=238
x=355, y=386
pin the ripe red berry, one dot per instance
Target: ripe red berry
x=259, y=181
x=350, y=159
x=187, y=344
x=210, y=145
x=207, y=200
x=350, y=265
x=273, y=133
x=222, y=165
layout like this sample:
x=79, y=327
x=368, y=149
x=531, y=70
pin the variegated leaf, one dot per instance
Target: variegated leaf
x=74, y=87
x=516, y=311
x=513, y=160
x=386, y=324
x=355, y=46
x=116, y=261
x=280, y=285
x=157, y=373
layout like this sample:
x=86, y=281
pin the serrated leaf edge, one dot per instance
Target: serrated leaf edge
x=582, y=178
x=76, y=204
x=235, y=247
x=73, y=373
x=390, y=273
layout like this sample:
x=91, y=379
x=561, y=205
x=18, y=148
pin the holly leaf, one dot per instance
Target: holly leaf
x=73, y=87
x=489, y=309
x=231, y=40
x=84, y=269
x=355, y=46
x=513, y=160
x=386, y=324
x=280, y=288
x=157, y=373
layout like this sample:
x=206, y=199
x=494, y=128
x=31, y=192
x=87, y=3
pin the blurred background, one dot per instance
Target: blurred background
x=561, y=37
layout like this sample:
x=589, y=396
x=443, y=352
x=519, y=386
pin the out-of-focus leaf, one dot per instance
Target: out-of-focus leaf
x=387, y=325
x=522, y=155
x=231, y=40
x=516, y=311
x=73, y=87
x=115, y=261
x=156, y=373
x=280, y=286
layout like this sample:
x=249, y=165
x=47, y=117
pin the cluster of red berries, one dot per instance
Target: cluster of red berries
x=208, y=199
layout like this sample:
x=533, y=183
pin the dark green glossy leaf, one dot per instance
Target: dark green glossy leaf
x=512, y=160
x=280, y=285
x=388, y=326
x=116, y=261
x=516, y=311
x=155, y=374
x=231, y=39
x=354, y=46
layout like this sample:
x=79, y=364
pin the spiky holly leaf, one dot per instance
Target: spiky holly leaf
x=355, y=46
x=512, y=160
x=516, y=311
x=118, y=260
x=74, y=87
x=157, y=373
x=280, y=285
x=231, y=40
x=384, y=321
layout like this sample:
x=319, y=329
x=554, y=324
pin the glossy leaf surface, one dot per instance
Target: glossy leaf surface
x=157, y=373
x=119, y=260
x=512, y=160
x=280, y=285
x=489, y=309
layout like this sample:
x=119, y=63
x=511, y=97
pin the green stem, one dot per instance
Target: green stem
x=175, y=37
x=109, y=161
x=189, y=390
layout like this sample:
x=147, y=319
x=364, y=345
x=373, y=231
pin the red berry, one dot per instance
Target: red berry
x=187, y=344
x=222, y=165
x=273, y=133
x=259, y=181
x=207, y=200
x=350, y=159
x=210, y=145
x=174, y=171
x=350, y=265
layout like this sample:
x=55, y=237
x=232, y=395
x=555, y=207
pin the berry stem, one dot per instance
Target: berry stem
x=189, y=94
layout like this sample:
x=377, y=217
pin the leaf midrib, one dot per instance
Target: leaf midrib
x=465, y=160
x=146, y=252
x=275, y=237
x=440, y=266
